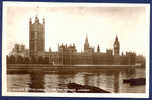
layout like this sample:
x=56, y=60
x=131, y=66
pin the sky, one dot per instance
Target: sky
x=70, y=23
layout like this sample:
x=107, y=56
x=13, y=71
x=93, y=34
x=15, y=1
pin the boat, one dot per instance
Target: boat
x=78, y=88
x=135, y=81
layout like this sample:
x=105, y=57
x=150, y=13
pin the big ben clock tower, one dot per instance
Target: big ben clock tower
x=116, y=47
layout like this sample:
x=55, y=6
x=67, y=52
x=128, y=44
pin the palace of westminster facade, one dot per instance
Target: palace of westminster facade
x=67, y=54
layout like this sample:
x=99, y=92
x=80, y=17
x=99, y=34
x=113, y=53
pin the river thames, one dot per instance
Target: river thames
x=52, y=81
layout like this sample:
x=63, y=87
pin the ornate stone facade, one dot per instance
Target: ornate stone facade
x=68, y=55
x=36, y=36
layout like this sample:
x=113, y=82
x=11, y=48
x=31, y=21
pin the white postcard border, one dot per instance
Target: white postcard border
x=95, y=95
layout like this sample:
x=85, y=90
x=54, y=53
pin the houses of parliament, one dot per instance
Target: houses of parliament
x=68, y=54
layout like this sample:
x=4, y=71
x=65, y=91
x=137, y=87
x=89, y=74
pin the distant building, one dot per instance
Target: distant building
x=140, y=59
x=19, y=50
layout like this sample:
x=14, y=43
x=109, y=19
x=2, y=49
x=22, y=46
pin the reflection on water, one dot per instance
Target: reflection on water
x=18, y=82
x=37, y=82
x=56, y=82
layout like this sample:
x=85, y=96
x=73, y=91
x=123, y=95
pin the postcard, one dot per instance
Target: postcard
x=75, y=49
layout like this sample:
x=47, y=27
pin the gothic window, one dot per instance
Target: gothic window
x=35, y=35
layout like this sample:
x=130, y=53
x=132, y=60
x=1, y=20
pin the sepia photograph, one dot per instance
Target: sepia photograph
x=75, y=49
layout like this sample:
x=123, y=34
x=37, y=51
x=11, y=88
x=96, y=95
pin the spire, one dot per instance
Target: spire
x=86, y=40
x=86, y=44
x=116, y=38
x=122, y=54
x=30, y=20
x=74, y=45
x=43, y=20
x=50, y=49
x=98, y=48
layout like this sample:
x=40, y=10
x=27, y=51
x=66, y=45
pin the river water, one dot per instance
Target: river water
x=51, y=81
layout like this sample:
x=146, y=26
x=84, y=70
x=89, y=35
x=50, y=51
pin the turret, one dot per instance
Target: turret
x=43, y=20
x=98, y=49
x=50, y=49
x=36, y=19
x=30, y=20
